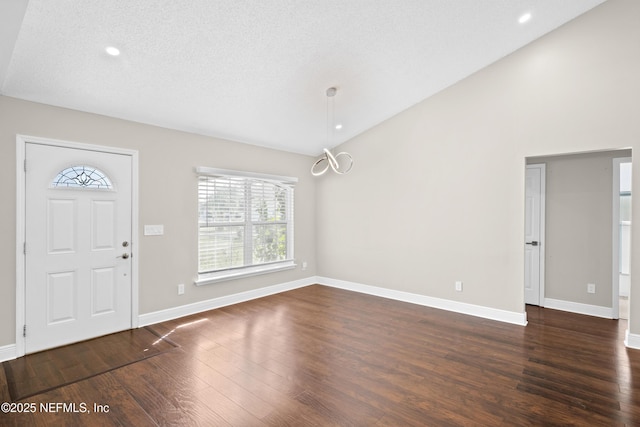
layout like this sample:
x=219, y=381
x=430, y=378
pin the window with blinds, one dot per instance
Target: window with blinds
x=245, y=221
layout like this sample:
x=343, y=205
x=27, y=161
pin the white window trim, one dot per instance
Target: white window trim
x=248, y=271
x=220, y=276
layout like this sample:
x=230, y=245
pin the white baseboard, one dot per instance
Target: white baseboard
x=579, y=308
x=443, y=304
x=632, y=340
x=200, y=306
x=8, y=352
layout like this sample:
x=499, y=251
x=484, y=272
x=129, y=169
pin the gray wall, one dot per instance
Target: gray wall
x=578, y=244
x=437, y=192
x=168, y=195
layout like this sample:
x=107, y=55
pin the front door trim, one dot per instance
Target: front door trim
x=21, y=143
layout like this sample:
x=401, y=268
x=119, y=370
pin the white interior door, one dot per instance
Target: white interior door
x=78, y=244
x=534, y=214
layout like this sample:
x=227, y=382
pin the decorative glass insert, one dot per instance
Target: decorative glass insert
x=82, y=177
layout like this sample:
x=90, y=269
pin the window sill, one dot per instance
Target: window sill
x=206, y=279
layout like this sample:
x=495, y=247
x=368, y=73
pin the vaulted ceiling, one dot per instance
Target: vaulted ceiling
x=256, y=71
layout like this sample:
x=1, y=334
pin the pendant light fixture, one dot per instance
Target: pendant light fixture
x=328, y=160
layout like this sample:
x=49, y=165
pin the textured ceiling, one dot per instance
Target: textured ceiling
x=256, y=71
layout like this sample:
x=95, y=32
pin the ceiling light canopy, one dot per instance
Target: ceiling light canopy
x=328, y=160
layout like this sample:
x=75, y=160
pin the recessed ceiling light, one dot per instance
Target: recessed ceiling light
x=524, y=18
x=339, y=126
x=113, y=51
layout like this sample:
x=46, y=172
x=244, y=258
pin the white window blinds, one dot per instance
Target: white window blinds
x=245, y=220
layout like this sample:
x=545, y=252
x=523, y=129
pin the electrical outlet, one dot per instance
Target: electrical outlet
x=181, y=289
x=304, y=265
x=459, y=286
x=591, y=288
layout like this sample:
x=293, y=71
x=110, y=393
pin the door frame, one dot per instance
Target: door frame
x=21, y=144
x=543, y=198
x=615, y=232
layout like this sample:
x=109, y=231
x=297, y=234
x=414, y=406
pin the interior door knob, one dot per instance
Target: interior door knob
x=124, y=256
x=534, y=243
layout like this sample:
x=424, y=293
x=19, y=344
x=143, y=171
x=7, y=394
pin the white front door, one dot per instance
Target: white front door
x=78, y=244
x=534, y=182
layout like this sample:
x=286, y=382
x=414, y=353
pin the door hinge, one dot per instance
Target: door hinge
x=25, y=165
x=24, y=248
x=24, y=331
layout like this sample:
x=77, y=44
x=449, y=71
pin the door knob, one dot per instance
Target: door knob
x=124, y=256
x=125, y=244
x=534, y=243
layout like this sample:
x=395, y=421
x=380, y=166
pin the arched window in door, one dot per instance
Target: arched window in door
x=82, y=176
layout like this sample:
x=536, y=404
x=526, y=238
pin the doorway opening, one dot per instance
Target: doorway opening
x=585, y=260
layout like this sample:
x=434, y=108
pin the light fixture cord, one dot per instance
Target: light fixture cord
x=331, y=94
x=328, y=121
x=333, y=118
x=332, y=162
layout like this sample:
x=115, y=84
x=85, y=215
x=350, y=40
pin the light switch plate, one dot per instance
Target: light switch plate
x=153, y=230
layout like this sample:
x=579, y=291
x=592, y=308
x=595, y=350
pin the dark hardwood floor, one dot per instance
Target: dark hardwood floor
x=47, y=370
x=319, y=356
